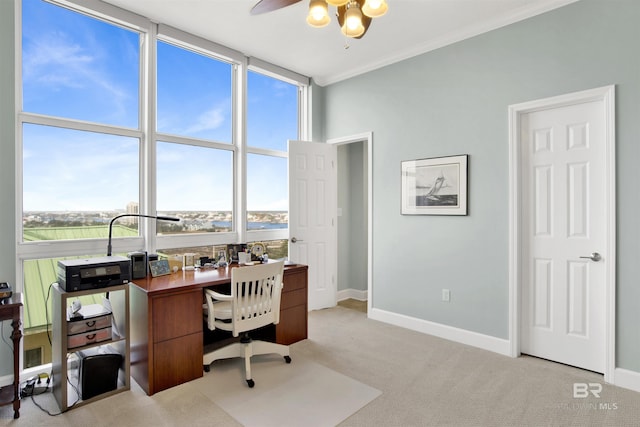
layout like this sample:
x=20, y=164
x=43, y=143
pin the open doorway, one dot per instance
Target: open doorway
x=354, y=222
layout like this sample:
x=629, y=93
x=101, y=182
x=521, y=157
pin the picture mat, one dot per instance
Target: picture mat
x=436, y=186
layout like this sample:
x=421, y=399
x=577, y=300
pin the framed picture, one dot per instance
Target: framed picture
x=233, y=250
x=436, y=186
x=159, y=267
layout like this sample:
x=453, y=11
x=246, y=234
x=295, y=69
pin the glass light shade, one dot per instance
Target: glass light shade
x=375, y=8
x=357, y=32
x=337, y=2
x=352, y=26
x=353, y=16
x=318, y=14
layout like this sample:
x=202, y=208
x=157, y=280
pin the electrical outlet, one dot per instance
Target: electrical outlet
x=446, y=295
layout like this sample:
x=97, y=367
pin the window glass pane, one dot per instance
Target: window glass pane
x=194, y=94
x=74, y=182
x=195, y=184
x=78, y=67
x=272, y=112
x=267, y=192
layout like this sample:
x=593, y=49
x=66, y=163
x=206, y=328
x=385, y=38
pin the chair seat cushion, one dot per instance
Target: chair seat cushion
x=222, y=310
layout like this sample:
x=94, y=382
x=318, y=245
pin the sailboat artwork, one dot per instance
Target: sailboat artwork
x=434, y=196
x=435, y=186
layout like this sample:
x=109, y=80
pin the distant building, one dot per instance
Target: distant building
x=132, y=208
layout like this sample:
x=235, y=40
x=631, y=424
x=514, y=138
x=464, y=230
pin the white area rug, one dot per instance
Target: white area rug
x=302, y=393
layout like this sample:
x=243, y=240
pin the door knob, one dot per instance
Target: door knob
x=293, y=240
x=595, y=257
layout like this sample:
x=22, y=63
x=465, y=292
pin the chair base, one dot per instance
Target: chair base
x=245, y=349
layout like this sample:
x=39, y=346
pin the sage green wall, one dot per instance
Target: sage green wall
x=454, y=101
x=7, y=165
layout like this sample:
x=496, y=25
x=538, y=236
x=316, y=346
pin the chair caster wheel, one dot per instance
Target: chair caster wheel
x=206, y=368
x=287, y=359
x=250, y=383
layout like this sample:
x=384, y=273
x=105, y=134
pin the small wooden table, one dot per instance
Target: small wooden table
x=10, y=310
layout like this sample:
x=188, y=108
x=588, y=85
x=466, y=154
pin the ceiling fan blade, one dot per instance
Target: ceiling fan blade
x=366, y=21
x=264, y=6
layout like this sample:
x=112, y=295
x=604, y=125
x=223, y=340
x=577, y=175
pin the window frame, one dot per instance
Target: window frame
x=147, y=239
x=61, y=248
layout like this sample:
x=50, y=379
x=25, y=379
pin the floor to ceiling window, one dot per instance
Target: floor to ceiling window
x=121, y=115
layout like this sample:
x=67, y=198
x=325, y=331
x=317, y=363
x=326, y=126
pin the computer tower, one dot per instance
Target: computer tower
x=98, y=373
x=138, y=265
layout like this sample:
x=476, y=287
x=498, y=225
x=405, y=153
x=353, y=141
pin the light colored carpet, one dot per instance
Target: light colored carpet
x=425, y=381
x=302, y=393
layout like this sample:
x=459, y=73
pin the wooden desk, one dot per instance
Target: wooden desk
x=10, y=310
x=167, y=323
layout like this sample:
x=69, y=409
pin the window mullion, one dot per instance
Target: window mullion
x=148, y=169
x=240, y=140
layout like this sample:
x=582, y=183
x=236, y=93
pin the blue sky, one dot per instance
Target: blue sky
x=81, y=68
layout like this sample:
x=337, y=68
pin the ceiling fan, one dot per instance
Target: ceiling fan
x=354, y=16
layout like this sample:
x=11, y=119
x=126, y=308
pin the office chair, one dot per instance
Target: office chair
x=254, y=302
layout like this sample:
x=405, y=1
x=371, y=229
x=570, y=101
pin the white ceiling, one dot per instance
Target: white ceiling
x=282, y=37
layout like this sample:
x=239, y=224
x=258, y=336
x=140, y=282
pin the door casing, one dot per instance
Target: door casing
x=607, y=95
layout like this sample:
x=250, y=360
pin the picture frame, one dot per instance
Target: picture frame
x=232, y=251
x=435, y=186
x=159, y=267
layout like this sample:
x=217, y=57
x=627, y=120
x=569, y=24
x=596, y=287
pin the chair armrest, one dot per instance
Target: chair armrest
x=218, y=296
x=211, y=298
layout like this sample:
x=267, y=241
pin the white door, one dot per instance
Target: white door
x=312, y=212
x=564, y=226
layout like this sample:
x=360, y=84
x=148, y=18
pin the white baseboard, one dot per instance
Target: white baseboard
x=25, y=374
x=462, y=336
x=351, y=294
x=626, y=379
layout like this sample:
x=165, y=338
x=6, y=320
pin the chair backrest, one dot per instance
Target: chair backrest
x=256, y=294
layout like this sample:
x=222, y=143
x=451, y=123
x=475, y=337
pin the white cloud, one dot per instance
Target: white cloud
x=57, y=63
x=208, y=120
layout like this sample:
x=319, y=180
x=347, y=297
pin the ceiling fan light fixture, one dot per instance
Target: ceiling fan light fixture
x=375, y=8
x=318, y=14
x=337, y=2
x=353, y=26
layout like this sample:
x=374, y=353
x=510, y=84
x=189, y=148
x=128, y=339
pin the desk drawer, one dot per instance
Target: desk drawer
x=177, y=315
x=292, y=299
x=294, y=280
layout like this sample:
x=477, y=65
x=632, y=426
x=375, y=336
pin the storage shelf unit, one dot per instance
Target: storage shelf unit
x=66, y=361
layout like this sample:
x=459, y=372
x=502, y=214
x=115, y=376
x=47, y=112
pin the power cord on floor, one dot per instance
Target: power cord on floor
x=34, y=385
x=31, y=389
